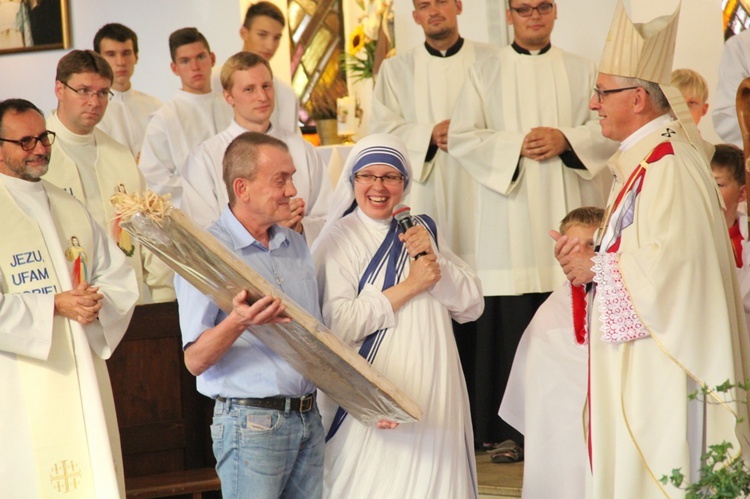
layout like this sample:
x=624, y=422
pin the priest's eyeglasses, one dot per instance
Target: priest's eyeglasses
x=47, y=138
x=369, y=178
x=527, y=10
x=88, y=94
x=601, y=93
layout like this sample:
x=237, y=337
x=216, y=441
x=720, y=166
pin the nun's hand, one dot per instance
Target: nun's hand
x=417, y=241
x=424, y=273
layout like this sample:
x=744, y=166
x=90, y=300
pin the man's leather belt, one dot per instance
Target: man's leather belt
x=302, y=404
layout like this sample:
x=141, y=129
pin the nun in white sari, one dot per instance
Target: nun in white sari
x=396, y=311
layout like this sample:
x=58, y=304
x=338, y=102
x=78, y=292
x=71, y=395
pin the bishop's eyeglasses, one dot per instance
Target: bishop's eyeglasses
x=600, y=94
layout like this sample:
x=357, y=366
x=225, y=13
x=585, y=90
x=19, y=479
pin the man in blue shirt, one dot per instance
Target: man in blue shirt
x=267, y=434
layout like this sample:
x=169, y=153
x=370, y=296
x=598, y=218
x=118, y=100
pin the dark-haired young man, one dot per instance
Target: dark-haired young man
x=128, y=111
x=194, y=114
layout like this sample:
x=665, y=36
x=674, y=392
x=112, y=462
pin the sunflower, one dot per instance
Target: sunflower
x=357, y=40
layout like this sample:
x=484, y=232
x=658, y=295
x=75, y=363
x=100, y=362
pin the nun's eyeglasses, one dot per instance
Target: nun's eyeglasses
x=369, y=179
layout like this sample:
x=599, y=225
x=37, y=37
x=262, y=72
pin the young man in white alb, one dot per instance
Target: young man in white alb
x=129, y=110
x=194, y=114
x=249, y=88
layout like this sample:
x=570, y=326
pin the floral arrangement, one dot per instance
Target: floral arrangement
x=371, y=40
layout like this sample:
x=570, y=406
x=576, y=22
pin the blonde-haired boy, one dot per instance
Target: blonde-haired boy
x=546, y=390
x=694, y=90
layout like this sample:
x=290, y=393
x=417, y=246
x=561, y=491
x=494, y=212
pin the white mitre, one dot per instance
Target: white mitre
x=646, y=51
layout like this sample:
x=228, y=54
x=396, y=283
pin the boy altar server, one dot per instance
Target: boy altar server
x=728, y=168
x=549, y=378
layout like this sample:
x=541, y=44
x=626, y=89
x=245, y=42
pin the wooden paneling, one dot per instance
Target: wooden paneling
x=164, y=422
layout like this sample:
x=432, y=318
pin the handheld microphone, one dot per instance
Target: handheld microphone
x=402, y=214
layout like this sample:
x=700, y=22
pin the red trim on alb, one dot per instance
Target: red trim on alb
x=578, y=295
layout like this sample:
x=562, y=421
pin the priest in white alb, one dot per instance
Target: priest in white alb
x=92, y=166
x=414, y=97
x=67, y=295
x=523, y=131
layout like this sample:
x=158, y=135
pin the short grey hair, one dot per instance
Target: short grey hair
x=655, y=95
x=242, y=156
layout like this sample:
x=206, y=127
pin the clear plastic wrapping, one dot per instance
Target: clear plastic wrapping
x=304, y=343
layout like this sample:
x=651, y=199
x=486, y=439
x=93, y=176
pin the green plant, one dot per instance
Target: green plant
x=721, y=474
x=359, y=59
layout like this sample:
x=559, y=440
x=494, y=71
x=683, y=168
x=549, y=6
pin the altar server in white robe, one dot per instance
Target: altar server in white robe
x=66, y=299
x=546, y=390
x=194, y=114
x=523, y=131
x=249, y=88
x=666, y=313
x=92, y=166
x=261, y=34
x=397, y=311
x=129, y=110
x=414, y=97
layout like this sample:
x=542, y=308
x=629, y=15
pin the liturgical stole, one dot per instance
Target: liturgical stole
x=112, y=178
x=52, y=396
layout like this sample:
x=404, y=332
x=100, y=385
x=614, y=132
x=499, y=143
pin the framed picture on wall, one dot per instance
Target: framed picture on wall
x=27, y=25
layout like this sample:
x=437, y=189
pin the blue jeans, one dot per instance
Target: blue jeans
x=264, y=453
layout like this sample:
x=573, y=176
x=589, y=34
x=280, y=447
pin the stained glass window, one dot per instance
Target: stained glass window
x=736, y=16
x=317, y=41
